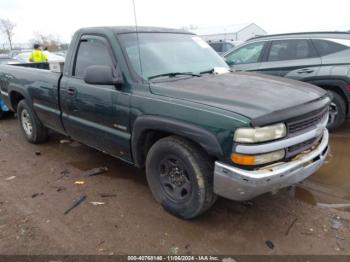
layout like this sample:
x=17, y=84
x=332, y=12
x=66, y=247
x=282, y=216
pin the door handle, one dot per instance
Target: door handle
x=305, y=71
x=71, y=91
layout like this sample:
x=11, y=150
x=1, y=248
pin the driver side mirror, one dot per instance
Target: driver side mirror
x=102, y=75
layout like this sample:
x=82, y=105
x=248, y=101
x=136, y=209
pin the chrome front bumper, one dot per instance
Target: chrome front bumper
x=238, y=184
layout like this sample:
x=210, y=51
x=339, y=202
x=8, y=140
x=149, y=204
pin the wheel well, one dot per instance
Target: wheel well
x=147, y=140
x=15, y=98
x=337, y=90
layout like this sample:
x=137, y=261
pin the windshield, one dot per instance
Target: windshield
x=163, y=53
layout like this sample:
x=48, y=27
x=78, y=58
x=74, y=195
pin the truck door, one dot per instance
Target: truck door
x=96, y=115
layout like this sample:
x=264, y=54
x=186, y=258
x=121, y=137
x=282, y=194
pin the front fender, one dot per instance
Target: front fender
x=201, y=136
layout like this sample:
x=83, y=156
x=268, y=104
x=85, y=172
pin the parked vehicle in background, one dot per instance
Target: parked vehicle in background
x=6, y=59
x=223, y=46
x=15, y=52
x=24, y=57
x=319, y=58
x=163, y=100
x=61, y=53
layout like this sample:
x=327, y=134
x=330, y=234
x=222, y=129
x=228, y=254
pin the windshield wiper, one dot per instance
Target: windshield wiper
x=173, y=74
x=210, y=71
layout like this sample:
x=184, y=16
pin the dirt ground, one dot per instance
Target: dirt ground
x=37, y=185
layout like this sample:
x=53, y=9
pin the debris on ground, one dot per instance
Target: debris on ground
x=59, y=188
x=37, y=194
x=336, y=223
x=10, y=178
x=65, y=141
x=75, y=144
x=269, y=244
x=325, y=228
x=95, y=203
x=335, y=206
x=37, y=153
x=96, y=171
x=339, y=246
x=174, y=250
x=75, y=204
x=101, y=242
x=107, y=195
x=64, y=173
x=79, y=182
x=291, y=226
x=339, y=237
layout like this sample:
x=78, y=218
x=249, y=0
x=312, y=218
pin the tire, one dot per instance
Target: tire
x=180, y=176
x=337, y=112
x=2, y=113
x=32, y=128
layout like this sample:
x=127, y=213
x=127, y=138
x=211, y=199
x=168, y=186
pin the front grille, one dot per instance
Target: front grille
x=298, y=148
x=301, y=145
x=307, y=122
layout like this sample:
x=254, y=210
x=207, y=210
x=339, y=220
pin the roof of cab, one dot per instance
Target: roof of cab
x=133, y=29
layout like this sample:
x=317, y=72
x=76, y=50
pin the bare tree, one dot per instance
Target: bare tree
x=7, y=27
x=51, y=42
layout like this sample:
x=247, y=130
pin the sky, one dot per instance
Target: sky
x=61, y=18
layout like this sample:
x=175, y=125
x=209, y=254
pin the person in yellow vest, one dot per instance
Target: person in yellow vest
x=37, y=55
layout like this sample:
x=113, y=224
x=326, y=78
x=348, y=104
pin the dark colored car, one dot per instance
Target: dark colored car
x=320, y=58
x=163, y=100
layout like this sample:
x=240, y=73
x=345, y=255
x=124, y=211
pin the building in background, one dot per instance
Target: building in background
x=224, y=38
x=241, y=32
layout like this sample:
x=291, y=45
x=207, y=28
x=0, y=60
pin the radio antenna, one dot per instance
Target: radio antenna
x=137, y=37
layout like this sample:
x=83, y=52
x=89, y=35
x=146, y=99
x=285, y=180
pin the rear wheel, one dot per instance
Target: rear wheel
x=32, y=128
x=2, y=113
x=180, y=176
x=337, y=111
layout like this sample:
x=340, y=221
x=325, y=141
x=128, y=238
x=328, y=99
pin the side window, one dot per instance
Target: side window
x=291, y=50
x=227, y=47
x=327, y=47
x=247, y=54
x=216, y=46
x=91, y=52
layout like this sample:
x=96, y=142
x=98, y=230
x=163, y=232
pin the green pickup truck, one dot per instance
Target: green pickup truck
x=163, y=100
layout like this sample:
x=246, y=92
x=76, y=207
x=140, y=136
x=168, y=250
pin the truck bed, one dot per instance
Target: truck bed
x=38, y=84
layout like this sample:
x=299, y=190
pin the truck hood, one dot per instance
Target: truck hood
x=249, y=94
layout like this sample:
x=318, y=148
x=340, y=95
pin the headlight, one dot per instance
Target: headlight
x=260, y=134
x=253, y=160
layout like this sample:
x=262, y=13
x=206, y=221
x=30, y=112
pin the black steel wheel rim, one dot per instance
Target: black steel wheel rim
x=174, y=179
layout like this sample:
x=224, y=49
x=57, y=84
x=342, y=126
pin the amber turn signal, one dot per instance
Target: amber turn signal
x=242, y=159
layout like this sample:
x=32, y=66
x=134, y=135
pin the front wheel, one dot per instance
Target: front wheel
x=32, y=128
x=180, y=176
